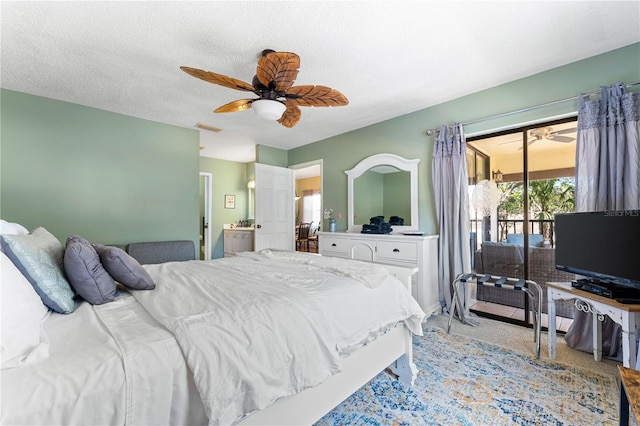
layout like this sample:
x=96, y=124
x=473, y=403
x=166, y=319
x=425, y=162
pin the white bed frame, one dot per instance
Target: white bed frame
x=392, y=350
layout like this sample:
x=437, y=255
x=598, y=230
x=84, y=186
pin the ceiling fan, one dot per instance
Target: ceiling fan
x=278, y=99
x=547, y=133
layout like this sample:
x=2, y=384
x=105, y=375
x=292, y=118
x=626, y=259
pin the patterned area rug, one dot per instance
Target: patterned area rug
x=468, y=382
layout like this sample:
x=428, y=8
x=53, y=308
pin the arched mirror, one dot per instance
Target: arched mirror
x=383, y=185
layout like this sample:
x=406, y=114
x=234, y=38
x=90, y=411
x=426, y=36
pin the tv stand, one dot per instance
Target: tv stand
x=628, y=316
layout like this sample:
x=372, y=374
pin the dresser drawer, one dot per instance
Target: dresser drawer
x=395, y=250
x=328, y=253
x=334, y=245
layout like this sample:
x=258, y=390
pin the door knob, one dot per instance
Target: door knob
x=258, y=226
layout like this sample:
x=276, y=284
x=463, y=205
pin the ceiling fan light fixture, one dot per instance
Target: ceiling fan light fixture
x=268, y=109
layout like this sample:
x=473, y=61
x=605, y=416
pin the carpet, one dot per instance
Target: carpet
x=462, y=381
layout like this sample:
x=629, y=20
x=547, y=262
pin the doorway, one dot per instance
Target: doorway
x=308, y=202
x=205, y=216
x=518, y=180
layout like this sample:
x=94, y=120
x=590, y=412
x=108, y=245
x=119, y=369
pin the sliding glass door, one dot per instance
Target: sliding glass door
x=518, y=180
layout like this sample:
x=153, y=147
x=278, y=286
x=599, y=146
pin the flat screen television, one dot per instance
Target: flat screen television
x=602, y=246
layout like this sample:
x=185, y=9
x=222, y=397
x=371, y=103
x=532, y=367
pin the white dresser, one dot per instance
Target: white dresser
x=391, y=249
x=237, y=240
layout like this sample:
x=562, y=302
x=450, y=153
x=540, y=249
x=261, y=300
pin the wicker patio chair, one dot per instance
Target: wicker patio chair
x=508, y=260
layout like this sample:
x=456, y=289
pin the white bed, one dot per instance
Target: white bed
x=273, y=338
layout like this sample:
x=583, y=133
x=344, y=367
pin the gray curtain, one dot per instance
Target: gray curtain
x=450, y=184
x=607, y=178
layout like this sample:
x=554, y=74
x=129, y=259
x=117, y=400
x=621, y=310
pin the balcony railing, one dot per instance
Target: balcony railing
x=536, y=226
x=516, y=226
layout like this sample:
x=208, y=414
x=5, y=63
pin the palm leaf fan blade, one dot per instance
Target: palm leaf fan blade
x=315, y=96
x=291, y=115
x=278, y=70
x=239, y=105
x=219, y=79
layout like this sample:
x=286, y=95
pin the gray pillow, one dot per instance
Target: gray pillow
x=124, y=268
x=86, y=274
x=71, y=238
x=39, y=257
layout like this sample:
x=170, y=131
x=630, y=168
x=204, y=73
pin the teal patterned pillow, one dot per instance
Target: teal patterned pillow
x=39, y=257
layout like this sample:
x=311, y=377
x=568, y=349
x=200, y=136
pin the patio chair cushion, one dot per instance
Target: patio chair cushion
x=535, y=240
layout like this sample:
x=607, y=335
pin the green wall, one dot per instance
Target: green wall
x=228, y=177
x=108, y=177
x=405, y=135
x=271, y=156
x=381, y=194
x=368, y=197
x=117, y=179
x=397, y=200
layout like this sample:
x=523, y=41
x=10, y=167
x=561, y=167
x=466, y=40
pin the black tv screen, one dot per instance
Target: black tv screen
x=603, y=246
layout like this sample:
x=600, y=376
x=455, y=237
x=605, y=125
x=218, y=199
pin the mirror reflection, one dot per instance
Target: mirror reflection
x=383, y=185
x=382, y=191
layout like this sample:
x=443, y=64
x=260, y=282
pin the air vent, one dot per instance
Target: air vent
x=209, y=128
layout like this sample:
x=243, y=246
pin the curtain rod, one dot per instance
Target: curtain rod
x=430, y=132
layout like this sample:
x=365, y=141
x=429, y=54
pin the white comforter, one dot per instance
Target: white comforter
x=266, y=325
x=252, y=329
x=108, y=365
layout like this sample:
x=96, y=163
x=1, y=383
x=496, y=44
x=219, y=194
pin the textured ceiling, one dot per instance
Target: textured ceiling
x=389, y=58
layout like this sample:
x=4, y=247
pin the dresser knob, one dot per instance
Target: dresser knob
x=333, y=245
x=396, y=250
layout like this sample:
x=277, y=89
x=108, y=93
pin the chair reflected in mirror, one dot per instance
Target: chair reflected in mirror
x=302, y=239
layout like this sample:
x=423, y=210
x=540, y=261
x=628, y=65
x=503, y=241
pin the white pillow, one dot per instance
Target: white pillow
x=12, y=228
x=23, y=339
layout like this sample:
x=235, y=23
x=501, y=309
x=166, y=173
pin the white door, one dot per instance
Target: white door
x=274, y=225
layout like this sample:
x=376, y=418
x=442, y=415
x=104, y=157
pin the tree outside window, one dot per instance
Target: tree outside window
x=546, y=197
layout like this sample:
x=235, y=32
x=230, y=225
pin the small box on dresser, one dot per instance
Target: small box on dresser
x=392, y=249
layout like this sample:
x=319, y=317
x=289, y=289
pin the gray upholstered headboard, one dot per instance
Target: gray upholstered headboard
x=162, y=251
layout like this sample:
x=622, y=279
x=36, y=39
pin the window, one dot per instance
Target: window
x=311, y=206
x=477, y=165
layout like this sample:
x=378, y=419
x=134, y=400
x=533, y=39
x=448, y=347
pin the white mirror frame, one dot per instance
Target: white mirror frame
x=410, y=166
